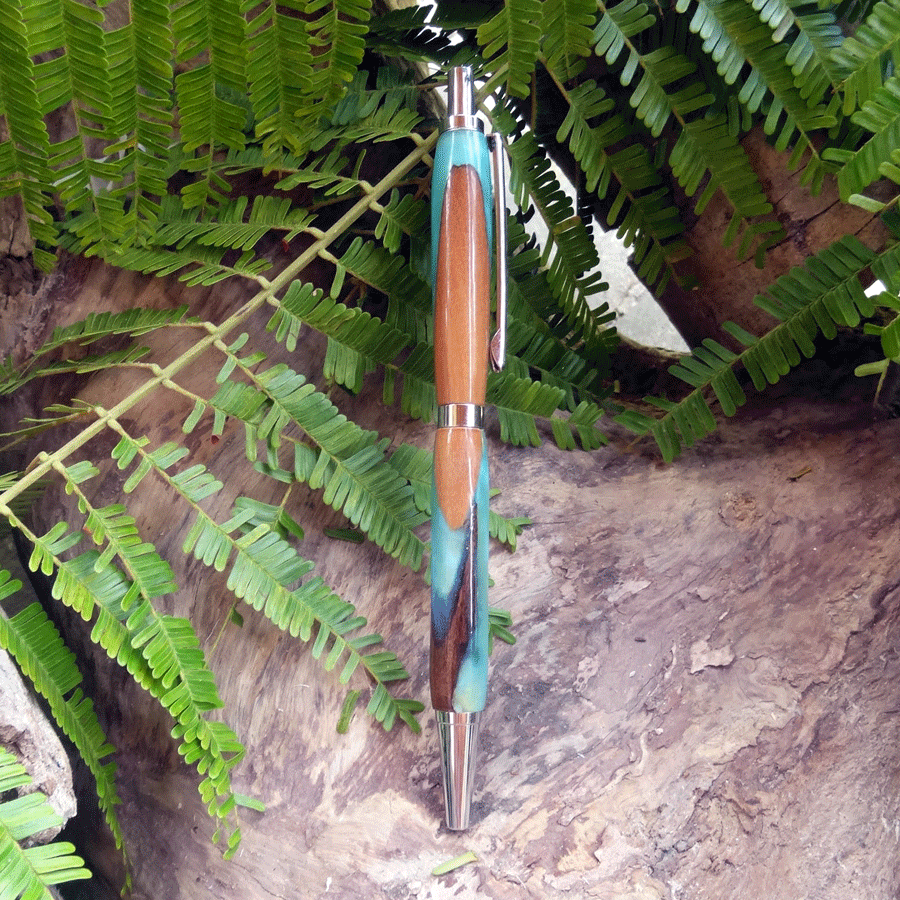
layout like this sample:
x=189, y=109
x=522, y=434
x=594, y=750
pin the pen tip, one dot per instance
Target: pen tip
x=458, y=734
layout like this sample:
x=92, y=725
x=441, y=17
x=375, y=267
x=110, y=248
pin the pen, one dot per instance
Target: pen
x=466, y=196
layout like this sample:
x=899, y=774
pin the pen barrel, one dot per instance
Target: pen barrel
x=461, y=258
x=459, y=577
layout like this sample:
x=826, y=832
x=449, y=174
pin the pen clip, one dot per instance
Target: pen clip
x=498, y=176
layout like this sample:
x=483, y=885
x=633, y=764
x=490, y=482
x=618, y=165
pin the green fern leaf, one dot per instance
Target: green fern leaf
x=196, y=264
x=181, y=227
x=646, y=218
x=24, y=155
x=264, y=572
x=616, y=25
x=570, y=252
x=817, y=297
x=737, y=42
x=208, y=116
x=35, y=644
x=518, y=401
x=133, y=322
x=706, y=146
x=325, y=172
x=404, y=33
x=511, y=41
x=350, y=467
x=78, y=77
x=353, y=328
x=812, y=53
x=161, y=652
x=280, y=63
x=336, y=35
x=140, y=64
x=568, y=35
x=403, y=215
x=386, y=272
x=880, y=116
x=860, y=58
x=30, y=871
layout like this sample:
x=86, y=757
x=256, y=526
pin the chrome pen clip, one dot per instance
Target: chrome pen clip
x=498, y=175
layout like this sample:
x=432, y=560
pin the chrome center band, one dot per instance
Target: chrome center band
x=460, y=415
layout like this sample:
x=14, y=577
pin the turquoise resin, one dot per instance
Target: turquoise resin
x=459, y=147
x=449, y=548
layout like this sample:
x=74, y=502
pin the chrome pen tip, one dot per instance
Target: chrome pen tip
x=458, y=734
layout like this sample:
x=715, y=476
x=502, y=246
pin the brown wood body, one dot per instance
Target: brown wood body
x=457, y=461
x=462, y=292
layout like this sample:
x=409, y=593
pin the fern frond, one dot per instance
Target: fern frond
x=140, y=61
x=568, y=35
x=643, y=211
x=812, y=53
x=707, y=147
x=96, y=326
x=38, y=649
x=194, y=263
x=24, y=155
x=264, y=570
x=234, y=228
x=860, y=59
x=336, y=37
x=161, y=652
x=511, y=43
x=353, y=328
x=77, y=75
x=880, y=116
x=279, y=68
x=518, y=401
x=394, y=117
x=386, y=272
x=325, y=172
x=403, y=215
x=29, y=872
x=349, y=466
x=404, y=34
x=745, y=48
x=580, y=423
x=570, y=252
x=817, y=297
x=557, y=364
x=211, y=37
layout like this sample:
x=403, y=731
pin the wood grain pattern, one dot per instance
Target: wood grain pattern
x=458, y=667
x=457, y=460
x=702, y=701
x=462, y=292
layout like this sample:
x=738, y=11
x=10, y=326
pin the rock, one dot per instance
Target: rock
x=26, y=733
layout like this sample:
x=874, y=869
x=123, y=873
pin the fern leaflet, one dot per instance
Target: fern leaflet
x=817, y=297
x=30, y=871
x=511, y=41
x=33, y=641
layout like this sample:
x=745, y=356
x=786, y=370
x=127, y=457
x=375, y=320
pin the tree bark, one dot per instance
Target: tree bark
x=726, y=285
x=702, y=701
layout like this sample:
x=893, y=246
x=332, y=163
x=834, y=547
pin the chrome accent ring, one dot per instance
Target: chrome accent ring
x=460, y=415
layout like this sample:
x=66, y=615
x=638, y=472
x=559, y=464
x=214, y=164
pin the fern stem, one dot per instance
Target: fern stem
x=217, y=332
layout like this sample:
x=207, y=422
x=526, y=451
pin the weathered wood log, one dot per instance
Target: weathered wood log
x=702, y=700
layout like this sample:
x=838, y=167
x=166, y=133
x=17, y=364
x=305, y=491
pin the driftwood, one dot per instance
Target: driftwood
x=702, y=701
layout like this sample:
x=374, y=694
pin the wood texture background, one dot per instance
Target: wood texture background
x=704, y=700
